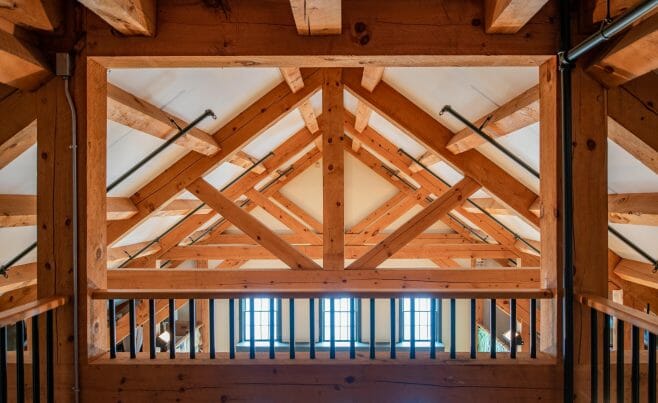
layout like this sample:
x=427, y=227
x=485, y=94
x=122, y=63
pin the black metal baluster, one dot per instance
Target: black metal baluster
x=352, y=335
x=172, y=330
x=311, y=330
x=372, y=329
x=651, y=375
x=620, y=361
x=439, y=325
x=433, y=328
x=191, y=305
x=132, y=335
x=533, y=328
x=231, y=328
x=412, y=325
x=252, y=329
x=492, y=319
x=291, y=308
x=211, y=325
x=272, y=354
x=113, y=324
x=606, y=358
x=474, y=328
x=594, y=356
x=512, y=320
x=36, y=383
x=635, y=365
x=151, y=334
x=50, y=358
x=332, y=330
x=3, y=364
x=20, y=362
x=453, y=328
x=393, y=329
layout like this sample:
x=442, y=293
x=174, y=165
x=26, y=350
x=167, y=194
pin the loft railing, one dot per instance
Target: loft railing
x=644, y=328
x=13, y=349
x=270, y=345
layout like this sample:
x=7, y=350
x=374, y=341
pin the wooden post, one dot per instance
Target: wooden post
x=91, y=102
x=333, y=170
x=54, y=226
x=203, y=314
x=550, y=195
x=590, y=178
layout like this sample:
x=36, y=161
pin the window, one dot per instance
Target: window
x=342, y=312
x=422, y=319
x=261, y=311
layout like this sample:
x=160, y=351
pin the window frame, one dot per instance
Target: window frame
x=325, y=338
x=243, y=325
x=438, y=317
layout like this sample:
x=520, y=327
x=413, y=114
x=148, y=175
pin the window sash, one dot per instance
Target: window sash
x=261, y=319
x=422, y=319
x=342, y=319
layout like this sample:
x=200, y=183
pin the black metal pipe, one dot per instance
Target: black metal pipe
x=474, y=204
x=165, y=145
x=291, y=309
x=489, y=139
x=50, y=358
x=473, y=328
x=393, y=329
x=453, y=328
x=20, y=362
x=113, y=331
x=533, y=328
x=608, y=32
x=36, y=383
x=231, y=328
x=191, y=305
x=172, y=329
x=311, y=330
x=492, y=330
x=22, y=254
x=606, y=357
x=191, y=213
x=567, y=207
x=620, y=361
x=372, y=329
x=211, y=327
x=151, y=334
x=132, y=324
x=3, y=364
x=594, y=355
x=512, y=319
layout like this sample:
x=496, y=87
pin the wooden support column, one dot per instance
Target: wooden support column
x=333, y=218
x=590, y=213
x=549, y=217
x=91, y=103
x=54, y=229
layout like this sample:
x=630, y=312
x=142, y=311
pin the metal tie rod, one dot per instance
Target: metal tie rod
x=223, y=219
x=477, y=206
x=181, y=133
x=607, y=32
x=192, y=212
x=504, y=150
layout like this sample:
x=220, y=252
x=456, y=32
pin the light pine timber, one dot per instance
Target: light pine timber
x=19, y=129
x=37, y=14
x=509, y=16
x=317, y=17
x=251, y=226
x=416, y=225
x=129, y=17
x=23, y=65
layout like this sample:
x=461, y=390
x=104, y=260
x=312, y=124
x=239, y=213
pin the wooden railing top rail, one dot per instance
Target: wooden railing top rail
x=476, y=293
x=622, y=312
x=30, y=309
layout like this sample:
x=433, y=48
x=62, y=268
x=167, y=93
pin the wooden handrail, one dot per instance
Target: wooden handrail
x=622, y=312
x=477, y=293
x=30, y=309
